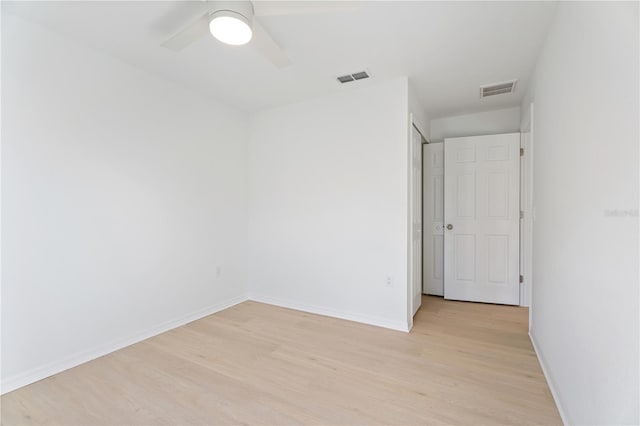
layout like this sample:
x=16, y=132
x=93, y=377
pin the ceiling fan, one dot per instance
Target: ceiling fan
x=234, y=23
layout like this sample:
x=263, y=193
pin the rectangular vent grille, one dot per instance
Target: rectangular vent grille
x=345, y=79
x=498, y=88
x=353, y=77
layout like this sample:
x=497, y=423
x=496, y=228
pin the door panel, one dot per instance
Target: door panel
x=498, y=253
x=466, y=196
x=481, y=205
x=433, y=219
x=465, y=257
x=498, y=201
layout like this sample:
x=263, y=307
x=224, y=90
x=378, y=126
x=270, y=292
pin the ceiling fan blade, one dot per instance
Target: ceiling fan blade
x=277, y=8
x=263, y=42
x=192, y=32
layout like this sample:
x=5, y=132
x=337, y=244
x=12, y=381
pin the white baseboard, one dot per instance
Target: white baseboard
x=26, y=378
x=39, y=373
x=550, y=382
x=365, y=319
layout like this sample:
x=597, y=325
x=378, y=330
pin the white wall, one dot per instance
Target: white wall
x=585, y=256
x=328, y=204
x=121, y=195
x=420, y=117
x=482, y=123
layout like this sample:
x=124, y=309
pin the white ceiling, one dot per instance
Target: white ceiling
x=448, y=49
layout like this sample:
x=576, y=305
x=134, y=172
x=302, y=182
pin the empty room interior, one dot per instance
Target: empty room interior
x=320, y=212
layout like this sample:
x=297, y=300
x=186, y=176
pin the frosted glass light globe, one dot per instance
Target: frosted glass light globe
x=230, y=28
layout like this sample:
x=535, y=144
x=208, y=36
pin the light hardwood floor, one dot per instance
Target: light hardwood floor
x=463, y=363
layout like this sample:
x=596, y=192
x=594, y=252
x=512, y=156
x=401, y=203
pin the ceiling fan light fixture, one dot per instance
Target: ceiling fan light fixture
x=230, y=27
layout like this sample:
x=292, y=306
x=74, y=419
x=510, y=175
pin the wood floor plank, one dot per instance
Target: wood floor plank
x=463, y=363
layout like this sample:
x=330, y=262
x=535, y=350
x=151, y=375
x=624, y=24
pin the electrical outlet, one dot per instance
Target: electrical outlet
x=389, y=281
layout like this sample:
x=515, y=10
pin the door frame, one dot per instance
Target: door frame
x=527, y=207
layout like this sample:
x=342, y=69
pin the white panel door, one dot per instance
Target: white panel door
x=433, y=219
x=416, y=219
x=482, y=215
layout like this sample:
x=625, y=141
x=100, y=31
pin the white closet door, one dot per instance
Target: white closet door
x=433, y=219
x=416, y=219
x=482, y=215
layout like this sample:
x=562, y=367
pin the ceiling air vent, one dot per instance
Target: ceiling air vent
x=353, y=77
x=497, y=88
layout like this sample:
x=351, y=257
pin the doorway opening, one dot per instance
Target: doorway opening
x=472, y=219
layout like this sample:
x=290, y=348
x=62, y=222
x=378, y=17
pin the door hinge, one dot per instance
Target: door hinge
x=521, y=278
x=521, y=152
x=521, y=214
